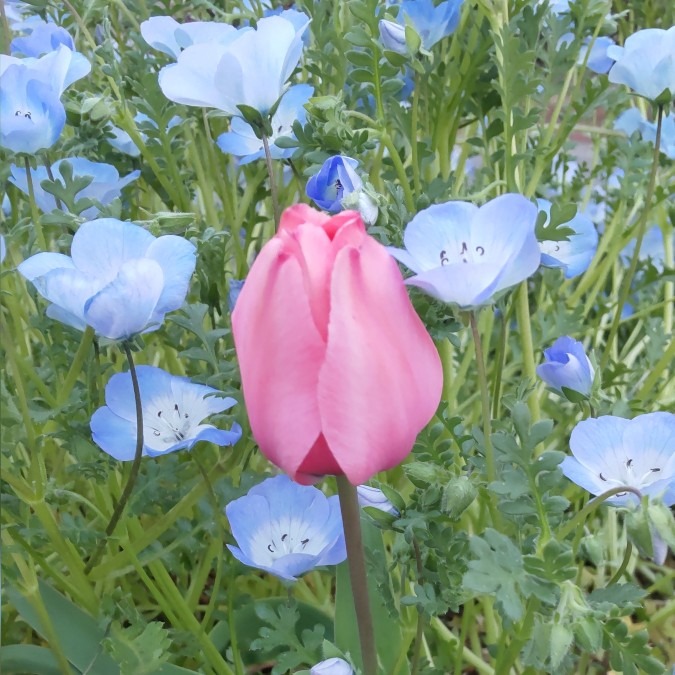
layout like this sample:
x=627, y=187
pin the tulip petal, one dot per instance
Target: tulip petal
x=381, y=380
x=280, y=352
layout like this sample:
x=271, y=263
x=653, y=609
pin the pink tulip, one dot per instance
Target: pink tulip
x=338, y=372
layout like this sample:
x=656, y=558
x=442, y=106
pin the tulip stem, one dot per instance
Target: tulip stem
x=273, y=184
x=35, y=214
x=351, y=519
x=484, y=399
x=135, y=467
x=624, y=289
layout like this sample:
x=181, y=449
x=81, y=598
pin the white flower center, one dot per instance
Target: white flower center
x=286, y=536
x=466, y=254
x=166, y=422
x=634, y=474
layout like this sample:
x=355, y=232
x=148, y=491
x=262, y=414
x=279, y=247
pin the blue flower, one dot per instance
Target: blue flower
x=106, y=184
x=120, y=279
x=45, y=37
x=242, y=141
x=598, y=60
x=334, y=666
x=216, y=75
x=646, y=64
x=465, y=255
x=234, y=289
x=631, y=120
x=336, y=179
x=32, y=116
x=173, y=411
x=431, y=22
x=566, y=366
x=166, y=35
x=611, y=452
x=370, y=496
x=574, y=255
x=286, y=529
x=3, y=248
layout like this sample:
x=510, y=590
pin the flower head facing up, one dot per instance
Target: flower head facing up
x=334, y=666
x=119, y=279
x=173, y=411
x=463, y=254
x=566, y=366
x=338, y=372
x=217, y=75
x=242, y=141
x=646, y=64
x=575, y=254
x=286, y=529
x=106, y=184
x=610, y=452
x=432, y=22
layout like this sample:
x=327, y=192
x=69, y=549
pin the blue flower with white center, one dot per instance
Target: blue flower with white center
x=286, y=529
x=573, y=255
x=119, y=279
x=646, y=64
x=631, y=121
x=106, y=184
x=173, y=411
x=242, y=141
x=432, y=22
x=32, y=116
x=610, y=452
x=166, y=35
x=566, y=367
x=465, y=255
x=370, y=496
x=334, y=666
x=217, y=75
x=44, y=37
x=336, y=179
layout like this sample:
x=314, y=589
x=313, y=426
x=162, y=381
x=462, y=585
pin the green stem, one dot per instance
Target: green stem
x=624, y=564
x=351, y=519
x=580, y=517
x=273, y=184
x=413, y=136
x=499, y=361
x=76, y=366
x=35, y=213
x=525, y=328
x=419, y=632
x=484, y=399
x=624, y=289
x=400, y=171
x=135, y=467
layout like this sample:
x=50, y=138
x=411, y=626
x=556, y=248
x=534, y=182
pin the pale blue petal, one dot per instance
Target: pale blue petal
x=599, y=442
x=41, y=263
x=125, y=306
x=153, y=383
x=160, y=33
x=101, y=246
x=177, y=258
x=67, y=288
x=114, y=435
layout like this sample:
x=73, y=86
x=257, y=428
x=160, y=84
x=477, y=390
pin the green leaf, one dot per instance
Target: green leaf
x=28, y=659
x=139, y=649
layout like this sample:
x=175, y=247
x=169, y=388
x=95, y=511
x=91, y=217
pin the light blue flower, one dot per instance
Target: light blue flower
x=465, y=255
x=336, y=179
x=173, y=411
x=286, y=529
x=370, y=496
x=234, y=289
x=652, y=248
x=32, y=116
x=334, y=666
x=3, y=248
x=646, y=64
x=631, y=120
x=216, y=75
x=166, y=35
x=18, y=17
x=44, y=37
x=566, y=366
x=106, y=184
x=598, y=60
x=119, y=279
x=574, y=255
x=242, y=141
x=431, y=22
x=610, y=452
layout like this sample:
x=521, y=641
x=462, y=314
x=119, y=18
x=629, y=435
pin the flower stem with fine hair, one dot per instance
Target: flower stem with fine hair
x=135, y=467
x=273, y=184
x=351, y=519
x=35, y=214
